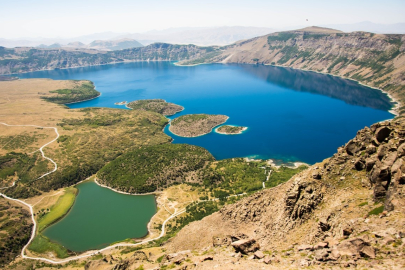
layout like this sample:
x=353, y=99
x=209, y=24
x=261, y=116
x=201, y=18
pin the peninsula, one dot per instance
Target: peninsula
x=230, y=130
x=156, y=105
x=194, y=125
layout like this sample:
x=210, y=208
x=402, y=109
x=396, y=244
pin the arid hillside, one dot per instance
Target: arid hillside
x=376, y=60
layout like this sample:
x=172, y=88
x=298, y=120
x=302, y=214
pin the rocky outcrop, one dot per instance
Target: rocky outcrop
x=378, y=150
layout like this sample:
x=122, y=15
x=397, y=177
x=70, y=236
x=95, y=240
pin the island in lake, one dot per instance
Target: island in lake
x=194, y=125
x=156, y=105
x=120, y=103
x=230, y=130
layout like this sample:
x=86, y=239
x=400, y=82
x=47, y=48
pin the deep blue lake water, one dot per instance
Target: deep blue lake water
x=291, y=115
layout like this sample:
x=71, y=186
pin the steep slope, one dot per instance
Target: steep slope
x=329, y=213
x=19, y=60
x=373, y=59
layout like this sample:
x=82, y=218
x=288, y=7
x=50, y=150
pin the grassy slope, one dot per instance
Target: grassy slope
x=236, y=176
x=94, y=140
x=42, y=244
x=61, y=208
x=15, y=229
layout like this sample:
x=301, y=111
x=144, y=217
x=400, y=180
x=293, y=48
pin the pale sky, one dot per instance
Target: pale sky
x=71, y=18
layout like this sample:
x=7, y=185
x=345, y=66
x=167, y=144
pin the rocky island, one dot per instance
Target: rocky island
x=156, y=105
x=230, y=130
x=194, y=125
x=120, y=103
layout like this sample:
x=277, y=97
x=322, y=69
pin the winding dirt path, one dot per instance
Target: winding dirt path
x=91, y=253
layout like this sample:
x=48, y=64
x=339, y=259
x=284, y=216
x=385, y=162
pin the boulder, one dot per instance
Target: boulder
x=370, y=162
x=359, y=164
x=371, y=149
x=321, y=245
x=382, y=133
x=390, y=159
x=356, y=247
x=321, y=255
x=179, y=259
x=347, y=231
x=324, y=226
x=267, y=259
x=207, y=258
x=352, y=148
x=398, y=164
x=331, y=242
x=401, y=150
x=316, y=175
x=382, y=151
x=259, y=255
x=139, y=256
x=222, y=241
x=305, y=247
x=245, y=246
x=368, y=252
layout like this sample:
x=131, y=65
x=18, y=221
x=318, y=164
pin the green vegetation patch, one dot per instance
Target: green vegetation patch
x=236, y=176
x=19, y=141
x=58, y=210
x=308, y=35
x=15, y=230
x=42, y=244
x=376, y=211
x=233, y=176
x=283, y=36
x=230, y=129
x=189, y=118
x=155, y=105
x=149, y=168
x=283, y=174
x=82, y=91
x=26, y=167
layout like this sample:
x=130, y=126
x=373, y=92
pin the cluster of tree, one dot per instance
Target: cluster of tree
x=152, y=167
x=16, y=231
x=82, y=91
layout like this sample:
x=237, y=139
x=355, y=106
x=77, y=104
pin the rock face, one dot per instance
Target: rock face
x=246, y=246
x=193, y=125
x=379, y=151
x=156, y=105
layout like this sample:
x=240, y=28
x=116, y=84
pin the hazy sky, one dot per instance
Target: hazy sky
x=69, y=18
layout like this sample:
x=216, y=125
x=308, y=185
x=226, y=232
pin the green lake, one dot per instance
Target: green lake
x=100, y=217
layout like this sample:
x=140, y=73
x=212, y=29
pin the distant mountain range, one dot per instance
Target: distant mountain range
x=101, y=45
x=188, y=35
x=202, y=36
